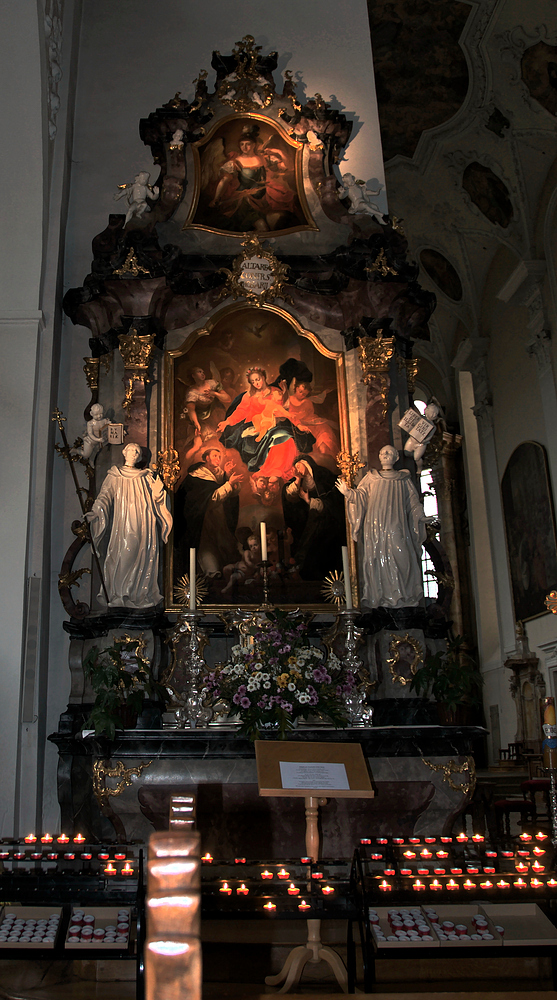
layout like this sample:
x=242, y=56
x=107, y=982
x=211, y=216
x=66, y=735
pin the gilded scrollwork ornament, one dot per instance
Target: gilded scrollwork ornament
x=256, y=276
x=398, y=647
x=349, y=466
x=447, y=770
x=137, y=352
x=103, y=770
x=131, y=268
x=168, y=467
x=245, y=89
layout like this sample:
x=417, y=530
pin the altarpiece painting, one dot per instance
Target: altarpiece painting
x=256, y=410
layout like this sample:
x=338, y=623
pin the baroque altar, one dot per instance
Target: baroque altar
x=252, y=316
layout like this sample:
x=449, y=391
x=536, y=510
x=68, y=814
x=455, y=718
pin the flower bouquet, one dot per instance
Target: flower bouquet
x=280, y=678
x=122, y=679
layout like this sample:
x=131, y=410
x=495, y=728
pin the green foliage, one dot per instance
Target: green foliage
x=121, y=678
x=451, y=676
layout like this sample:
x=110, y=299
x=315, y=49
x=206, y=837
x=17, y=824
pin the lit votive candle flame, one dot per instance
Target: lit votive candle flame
x=503, y=885
x=536, y=867
x=207, y=859
x=525, y=837
x=109, y=869
x=30, y=838
x=426, y=854
x=552, y=883
x=536, y=883
x=417, y=885
x=283, y=874
x=385, y=886
x=520, y=883
x=486, y=885
x=521, y=867
x=538, y=851
x=462, y=838
x=225, y=888
x=303, y=905
x=293, y=890
x=435, y=885
x=327, y=889
x=242, y=890
x=451, y=884
x=442, y=854
x=478, y=838
x=63, y=839
x=127, y=869
x=468, y=884
x=266, y=874
x=409, y=854
x=46, y=838
x=270, y=906
x=541, y=836
x=79, y=839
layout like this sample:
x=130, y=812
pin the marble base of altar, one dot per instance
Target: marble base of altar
x=120, y=789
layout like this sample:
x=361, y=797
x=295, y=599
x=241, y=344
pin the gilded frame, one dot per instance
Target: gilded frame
x=284, y=190
x=275, y=345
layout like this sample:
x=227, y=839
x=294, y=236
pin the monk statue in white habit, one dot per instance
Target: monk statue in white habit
x=388, y=519
x=130, y=516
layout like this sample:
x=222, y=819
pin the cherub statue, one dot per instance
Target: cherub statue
x=417, y=448
x=177, y=139
x=137, y=194
x=359, y=195
x=93, y=437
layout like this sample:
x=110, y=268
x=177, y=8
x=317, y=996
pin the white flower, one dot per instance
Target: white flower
x=304, y=698
x=258, y=666
x=265, y=676
x=291, y=686
x=266, y=685
x=253, y=685
x=236, y=650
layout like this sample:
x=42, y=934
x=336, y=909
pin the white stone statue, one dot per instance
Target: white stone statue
x=136, y=195
x=388, y=519
x=417, y=448
x=359, y=195
x=93, y=437
x=131, y=516
x=176, y=141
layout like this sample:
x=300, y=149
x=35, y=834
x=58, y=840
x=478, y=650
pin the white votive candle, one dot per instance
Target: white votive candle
x=192, y=579
x=347, y=584
x=263, y=527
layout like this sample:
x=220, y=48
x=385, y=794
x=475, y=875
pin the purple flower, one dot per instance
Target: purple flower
x=236, y=699
x=242, y=689
x=285, y=649
x=245, y=703
x=313, y=700
x=261, y=703
x=319, y=675
x=286, y=705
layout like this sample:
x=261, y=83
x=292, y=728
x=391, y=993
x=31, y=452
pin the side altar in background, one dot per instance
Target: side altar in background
x=252, y=321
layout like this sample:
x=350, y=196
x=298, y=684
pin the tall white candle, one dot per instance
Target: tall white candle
x=347, y=584
x=263, y=527
x=192, y=579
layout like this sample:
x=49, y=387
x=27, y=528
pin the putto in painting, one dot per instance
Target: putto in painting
x=248, y=180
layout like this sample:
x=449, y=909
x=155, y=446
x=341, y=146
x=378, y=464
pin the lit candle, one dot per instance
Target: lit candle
x=538, y=851
x=537, y=868
x=435, y=885
x=535, y=883
x=303, y=905
x=62, y=839
x=462, y=838
x=263, y=528
x=521, y=867
x=30, y=838
x=266, y=874
x=478, y=838
x=469, y=885
x=127, y=869
x=242, y=890
x=192, y=579
x=46, y=838
x=270, y=906
x=293, y=890
x=541, y=836
x=225, y=888
x=79, y=839
x=426, y=854
x=347, y=582
x=552, y=883
x=451, y=884
x=521, y=884
x=486, y=885
x=503, y=885
x=283, y=874
x=384, y=886
x=207, y=859
x=327, y=889
x=409, y=854
x=110, y=869
x=525, y=837
x=442, y=854
x=418, y=886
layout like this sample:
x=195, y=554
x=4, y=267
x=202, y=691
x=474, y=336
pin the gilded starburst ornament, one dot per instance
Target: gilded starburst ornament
x=182, y=589
x=551, y=602
x=333, y=588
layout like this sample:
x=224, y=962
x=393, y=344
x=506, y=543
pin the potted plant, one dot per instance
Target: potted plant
x=278, y=678
x=122, y=680
x=452, y=677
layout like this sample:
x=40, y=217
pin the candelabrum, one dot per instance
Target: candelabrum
x=358, y=711
x=186, y=676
